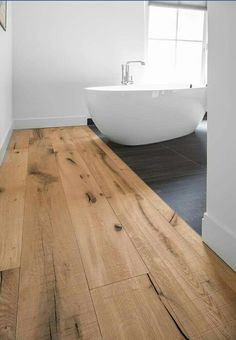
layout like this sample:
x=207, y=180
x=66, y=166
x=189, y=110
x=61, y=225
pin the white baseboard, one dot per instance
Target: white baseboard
x=5, y=142
x=31, y=123
x=220, y=239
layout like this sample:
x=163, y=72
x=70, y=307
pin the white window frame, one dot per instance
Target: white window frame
x=203, y=41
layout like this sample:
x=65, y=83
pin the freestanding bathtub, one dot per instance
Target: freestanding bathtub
x=134, y=115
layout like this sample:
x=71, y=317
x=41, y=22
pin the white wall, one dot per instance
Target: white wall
x=5, y=84
x=60, y=47
x=219, y=224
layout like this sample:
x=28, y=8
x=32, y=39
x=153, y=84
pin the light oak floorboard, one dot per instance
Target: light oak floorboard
x=9, y=281
x=107, y=252
x=20, y=140
x=61, y=139
x=54, y=300
x=131, y=309
x=12, y=194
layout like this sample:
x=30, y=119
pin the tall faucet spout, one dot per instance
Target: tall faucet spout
x=126, y=77
x=135, y=62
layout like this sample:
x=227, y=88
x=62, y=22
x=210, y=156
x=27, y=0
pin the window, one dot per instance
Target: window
x=177, y=50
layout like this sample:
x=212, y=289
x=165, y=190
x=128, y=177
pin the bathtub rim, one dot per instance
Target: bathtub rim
x=143, y=88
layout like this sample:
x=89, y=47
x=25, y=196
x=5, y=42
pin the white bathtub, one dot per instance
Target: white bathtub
x=134, y=115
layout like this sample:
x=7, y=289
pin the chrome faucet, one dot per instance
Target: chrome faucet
x=127, y=78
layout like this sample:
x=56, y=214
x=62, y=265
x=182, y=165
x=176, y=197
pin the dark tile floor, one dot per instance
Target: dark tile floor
x=175, y=169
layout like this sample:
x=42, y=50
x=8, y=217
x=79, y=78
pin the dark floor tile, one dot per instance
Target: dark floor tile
x=186, y=195
x=192, y=146
x=163, y=167
x=175, y=170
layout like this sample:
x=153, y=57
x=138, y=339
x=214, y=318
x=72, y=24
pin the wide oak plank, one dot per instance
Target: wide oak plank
x=61, y=139
x=131, y=309
x=108, y=254
x=9, y=281
x=19, y=140
x=54, y=300
x=12, y=193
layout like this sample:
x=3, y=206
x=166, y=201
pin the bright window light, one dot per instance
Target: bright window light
x=190, y=24
x=162, y=23
x=176, y=45
x=161, y=61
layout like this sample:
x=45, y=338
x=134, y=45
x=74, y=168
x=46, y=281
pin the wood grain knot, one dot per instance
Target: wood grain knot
x=50, y=150
x=71, y=160
x=118, y=227
x=44, y=177
x=91, y=197
x=174, y=219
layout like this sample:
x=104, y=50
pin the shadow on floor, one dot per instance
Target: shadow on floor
x=175, y=170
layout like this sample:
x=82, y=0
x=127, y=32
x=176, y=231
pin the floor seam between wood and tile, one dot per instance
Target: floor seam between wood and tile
x=150, y=202
x=174, y=180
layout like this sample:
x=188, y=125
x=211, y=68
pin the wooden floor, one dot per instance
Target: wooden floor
x=89, y=251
